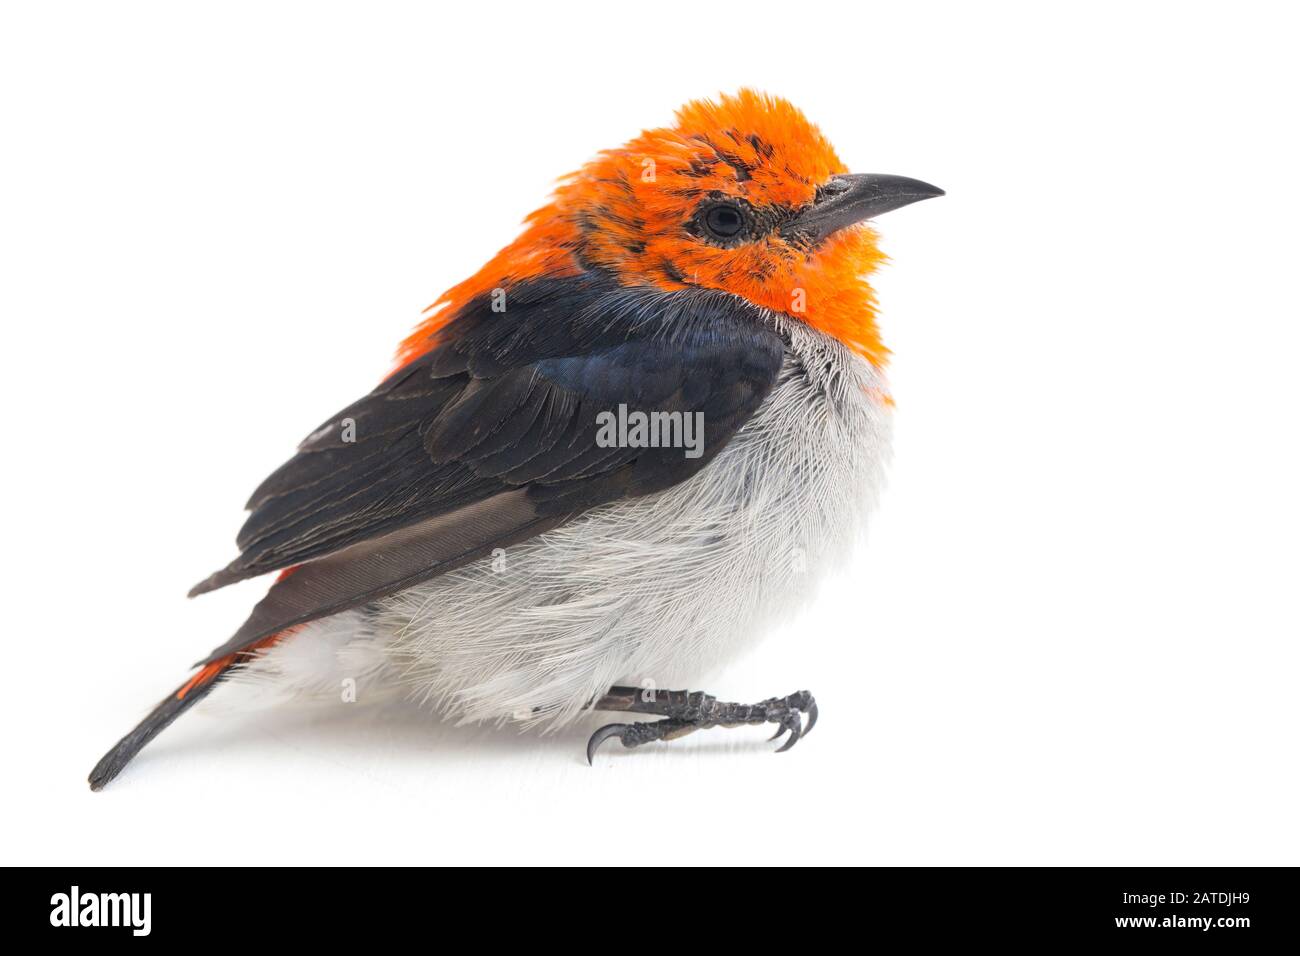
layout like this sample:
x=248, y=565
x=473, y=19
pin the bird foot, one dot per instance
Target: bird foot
x=684, y=712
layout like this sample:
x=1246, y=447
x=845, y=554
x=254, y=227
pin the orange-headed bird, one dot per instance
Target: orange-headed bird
x=603, y=463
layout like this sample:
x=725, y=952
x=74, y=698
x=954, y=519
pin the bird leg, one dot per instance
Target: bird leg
x=686, y=711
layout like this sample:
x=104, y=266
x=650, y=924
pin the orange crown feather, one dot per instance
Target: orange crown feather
x=627, y=211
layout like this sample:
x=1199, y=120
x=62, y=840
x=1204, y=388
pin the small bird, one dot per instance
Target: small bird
x=603, y=464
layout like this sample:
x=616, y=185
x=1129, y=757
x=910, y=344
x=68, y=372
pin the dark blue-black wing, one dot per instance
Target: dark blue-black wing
x=494, y=436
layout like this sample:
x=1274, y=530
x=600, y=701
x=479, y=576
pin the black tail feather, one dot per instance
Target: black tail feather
x=171, y=707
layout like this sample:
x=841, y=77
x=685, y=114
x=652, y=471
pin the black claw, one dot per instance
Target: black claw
x=788, y=713
x=601, y=735
x=795, y=734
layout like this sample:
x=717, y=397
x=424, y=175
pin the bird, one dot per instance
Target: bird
x=601, y=467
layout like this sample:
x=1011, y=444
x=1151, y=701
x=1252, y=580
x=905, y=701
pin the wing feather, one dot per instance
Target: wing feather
x=490, y=437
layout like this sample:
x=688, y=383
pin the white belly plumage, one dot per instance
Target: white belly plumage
x=664, y=588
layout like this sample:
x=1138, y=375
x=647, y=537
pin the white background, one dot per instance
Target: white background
x=1072, y=638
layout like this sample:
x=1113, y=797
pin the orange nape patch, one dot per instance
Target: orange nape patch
x=630, y=212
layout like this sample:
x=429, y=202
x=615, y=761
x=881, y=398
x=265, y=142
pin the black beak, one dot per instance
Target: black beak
x=854, y=198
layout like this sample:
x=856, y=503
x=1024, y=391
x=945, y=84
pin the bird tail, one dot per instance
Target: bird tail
x=172, y=706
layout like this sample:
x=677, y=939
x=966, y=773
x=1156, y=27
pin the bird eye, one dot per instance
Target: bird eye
x=723, y=221
x=726, y=221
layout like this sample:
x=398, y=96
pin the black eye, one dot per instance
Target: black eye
x=723, y=221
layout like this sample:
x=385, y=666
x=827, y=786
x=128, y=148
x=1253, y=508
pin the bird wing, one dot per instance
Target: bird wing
x=491, y=437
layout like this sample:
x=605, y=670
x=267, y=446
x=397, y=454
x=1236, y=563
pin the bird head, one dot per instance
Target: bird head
x=742, y=195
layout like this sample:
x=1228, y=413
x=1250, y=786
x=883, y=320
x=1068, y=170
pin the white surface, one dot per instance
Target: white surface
x=1073, y=637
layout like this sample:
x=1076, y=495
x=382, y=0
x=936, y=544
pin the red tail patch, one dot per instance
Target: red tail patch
x=208, y=672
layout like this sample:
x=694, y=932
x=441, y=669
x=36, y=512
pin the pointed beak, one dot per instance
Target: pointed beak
x=852, y=198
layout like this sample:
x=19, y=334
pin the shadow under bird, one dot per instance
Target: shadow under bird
x=604, y=463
